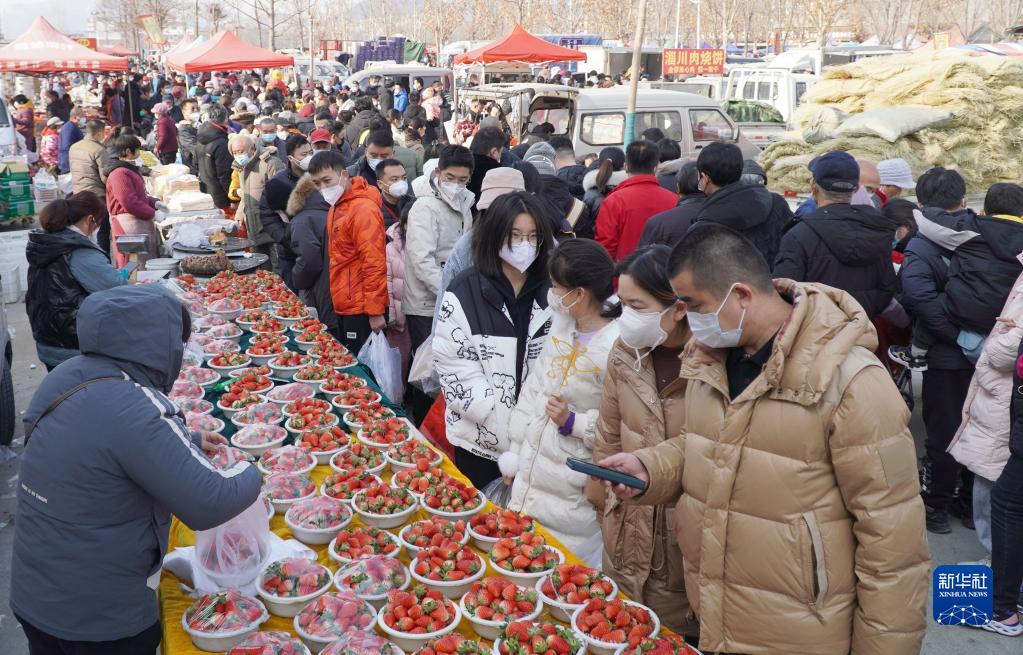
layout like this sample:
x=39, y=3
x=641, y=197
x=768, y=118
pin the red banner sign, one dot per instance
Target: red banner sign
x=686, y=61
x=87, y=41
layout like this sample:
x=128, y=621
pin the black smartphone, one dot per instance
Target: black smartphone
x=604, y=473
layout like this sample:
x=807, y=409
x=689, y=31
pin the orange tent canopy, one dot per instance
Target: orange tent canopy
x=519, y=45
x=223, y=52
x=42, y=49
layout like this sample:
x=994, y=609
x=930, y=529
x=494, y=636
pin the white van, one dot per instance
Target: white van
x=779, y=87
x=404, y=74
x=8, y=135
x=324, y=70
x=595, y=118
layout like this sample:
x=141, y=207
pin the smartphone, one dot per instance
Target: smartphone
x=604, y=473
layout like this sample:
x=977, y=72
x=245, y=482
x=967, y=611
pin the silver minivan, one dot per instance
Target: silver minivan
x=8, y=135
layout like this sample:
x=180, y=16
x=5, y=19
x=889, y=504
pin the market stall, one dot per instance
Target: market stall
x=42, y=49
x=224, y=51
x=396, y=530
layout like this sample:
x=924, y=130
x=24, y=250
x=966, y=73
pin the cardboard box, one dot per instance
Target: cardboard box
x=14, y=171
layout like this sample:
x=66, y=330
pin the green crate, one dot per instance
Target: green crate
x=14, y=171
x=18, y=208
x=15, y=190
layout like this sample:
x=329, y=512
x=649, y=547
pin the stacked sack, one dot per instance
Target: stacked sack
x=951, y=108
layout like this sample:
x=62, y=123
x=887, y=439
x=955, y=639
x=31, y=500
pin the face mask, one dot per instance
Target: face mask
x=398, y=189
x=451, y=189
x=707, y=327
x=557, y=303
x=521, y=255
x=304, y=162
x=268, y=138
x=642, y=329
x=242, y=159
x=373, y=163
x=283, y=136
x=332, y=193
x=138, y=162
x=81, y=122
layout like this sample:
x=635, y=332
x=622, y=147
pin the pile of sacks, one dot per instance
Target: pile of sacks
x=951, y=108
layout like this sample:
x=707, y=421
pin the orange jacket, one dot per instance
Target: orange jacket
x=358, y=263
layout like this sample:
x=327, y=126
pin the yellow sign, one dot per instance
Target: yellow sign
x=942, y=40
x=685, y=61
x=152, y=29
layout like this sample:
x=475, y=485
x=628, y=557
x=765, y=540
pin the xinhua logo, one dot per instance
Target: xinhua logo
x=962, y=594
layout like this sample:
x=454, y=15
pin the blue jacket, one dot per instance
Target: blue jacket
x=103, y=472
x=924, y=274
x=70, y=134
x=401, y=100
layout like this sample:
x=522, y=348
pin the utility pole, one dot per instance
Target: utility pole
x=699, y=38
x=197, y=19
x=678, y=20
x=312, y=59
x=637, y=57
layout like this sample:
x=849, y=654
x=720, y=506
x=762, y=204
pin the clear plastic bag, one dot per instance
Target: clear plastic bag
x=225, y=611
x=498, y=492
x=224, y=457
x=232, y=553
x=373, y=577
x=385, y=362
x=319, y=513
x=270, y=643
x=360, y=643
x=335, y=613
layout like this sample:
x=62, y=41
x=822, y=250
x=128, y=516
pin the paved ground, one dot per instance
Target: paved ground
x=959, y=546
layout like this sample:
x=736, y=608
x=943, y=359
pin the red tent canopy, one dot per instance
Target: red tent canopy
x=225, y=51
x=119, y=51
x=42, y=49
x=519, y=45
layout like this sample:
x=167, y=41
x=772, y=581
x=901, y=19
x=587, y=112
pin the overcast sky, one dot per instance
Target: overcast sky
x=66, y=16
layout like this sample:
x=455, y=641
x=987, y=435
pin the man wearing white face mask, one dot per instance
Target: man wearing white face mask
x=379, y=146
x=273, y=204
x=392, y=182
x=255, y=165
x=795, y=441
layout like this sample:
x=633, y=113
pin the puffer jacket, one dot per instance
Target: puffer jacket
x=545, y=488
x=252, y=179
x=213, y=158
x=356, y=246
x=639, y=540
x=395, y=275
x=307, y=234
x=798, y=502
x=592, y=196
x=982, y=442
x=434, y=225
x=753, y=211
x=475, y=355
x=626, y=210
x=86, y=160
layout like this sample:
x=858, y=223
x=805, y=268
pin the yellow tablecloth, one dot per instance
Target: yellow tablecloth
x=174, y=602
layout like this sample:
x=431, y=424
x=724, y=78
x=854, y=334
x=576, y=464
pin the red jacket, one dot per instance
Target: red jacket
x=626, y=210
x=126, y=193
x=358, y=265
x=166, y=134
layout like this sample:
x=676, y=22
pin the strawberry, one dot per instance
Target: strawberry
x=437, y=612
x=526, y=554
x=615, y=621
x=449, y=562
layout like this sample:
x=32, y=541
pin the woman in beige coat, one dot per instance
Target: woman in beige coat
x=643, y=406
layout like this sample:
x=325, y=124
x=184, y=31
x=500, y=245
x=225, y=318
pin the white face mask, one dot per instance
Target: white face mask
x=194, y=117
x=521, y=255
x=373, y=163
x=304, y=162
x=398, y=189
x=282, y=135
x=707, y=327
x=332, y=193
x=557, y=303
x=451, y=189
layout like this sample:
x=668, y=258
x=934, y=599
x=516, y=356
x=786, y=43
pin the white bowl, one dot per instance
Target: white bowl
x=563, y=611
x=282, y=506
x=384, y=520
x=206, y=357
x=319, y=402
x=245, y=325
x=227, y=315
x=323, y=456
x=397, y=467
x=222, y=641
x=316, y=644
x=496, y=650
x=357, y=427
x=230, y=411
x=376, y=600
x=329, y=395
x=492, y=629
x=415, y=549
x=284, y=403
x=452, y=589
x=410, y=642
x=315, y=536
x=289, y=607
x=598, y=647
x=302, y=471
x=297, y=432
x=226, y=370
x=305, y=346
x=345, y=561
x=219, y=428
x=375, y=469
x=525, y=579
x=284, y=372
x=209, y=383
x=288, y=322
x=238, y=425
x=345, y=408
x=364, y=438
x=256, y=451
x=463, y=515
x=346, y=502
x=205, y=411
x=260, y=360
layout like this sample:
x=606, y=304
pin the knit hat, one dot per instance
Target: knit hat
x=54, y=121
x=497, y=182
x=896, y=172
x=541, y=156
x=161, y=108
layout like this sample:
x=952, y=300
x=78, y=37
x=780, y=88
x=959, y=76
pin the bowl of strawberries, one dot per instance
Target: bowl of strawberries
x=258, y=414
x=419, y=480
x=381, y=432
x=221, y=620
x=451, y=568
x=323, y=443
x=359, y=454
x=285, y=394
x=408, y=453
x=362, y=542
x=268, y=325
x=194, y=405
x=309, y=337
x=308, y=414
x=371, y=579
x=286, y=489
x=362, y=643
x=412, y=618
x=288, y=584
x=259, y=371
x=492, y=602
x=524, y=559
x=667, y=644
x=237, y=399
x=339, y=358
x=285, y=365
x=264, y=350
x=204, y=377
x=353, y=397
x=431, y=533
x=330, y=616
x=258, y=438
x=487, y=529
x=290, y=313
x=453, y=644
x=270, y=643
x=365, y=413
x=307, y=324
x=343, y=484
x=527, y=638
x=249, y=318
x=317, y=521
x=383, y=506
x=313, y=374
x=286, y=459
x=340, y=383
x=453, y=499
x=227, y=362
x=226, y=309
x=607, y=625
x=570, y=586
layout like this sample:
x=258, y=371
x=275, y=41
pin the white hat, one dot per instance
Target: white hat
x=896, y=172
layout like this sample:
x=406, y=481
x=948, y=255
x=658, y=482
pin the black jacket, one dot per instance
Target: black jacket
x=923, y=277
x=848, y=247
x=751, y=210
x=361, y=169
x=54, y=295
x=359, y=123
x=481, y=166
x=573, y=176
x=214, y=160
x=308, y=238
x=187, y=139
x=669, y=227
x=275, y=199
x=560, y=203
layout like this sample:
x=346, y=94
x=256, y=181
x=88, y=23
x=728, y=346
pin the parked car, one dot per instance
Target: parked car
x=404, y=74
x=758, y=121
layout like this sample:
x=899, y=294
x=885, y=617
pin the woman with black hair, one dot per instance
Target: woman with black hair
x=132, y=210
x=606, y=174
x=64, y=266
x=556, y=414
x=491, y=327
x=643, y=406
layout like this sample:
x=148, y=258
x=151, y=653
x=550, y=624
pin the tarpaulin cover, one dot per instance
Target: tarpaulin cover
x=519, y=45
x=42, y=49
x=225, y=51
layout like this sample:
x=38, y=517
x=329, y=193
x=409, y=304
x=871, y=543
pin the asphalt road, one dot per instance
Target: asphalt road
x=961, y=545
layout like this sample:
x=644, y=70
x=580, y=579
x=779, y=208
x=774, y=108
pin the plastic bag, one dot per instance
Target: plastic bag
x=385, y=362
x=289, y=486
x=591, y=551
x=333, y=614
x=373, y=577
x=319, y=513
x=232, y=553
x=287, y=459
x=225, y=611
x=294, y=576
x=269, y=643
x=360, y=643
x=259, y=434
x=498, y=492
x=224, y=457
x=421, y=372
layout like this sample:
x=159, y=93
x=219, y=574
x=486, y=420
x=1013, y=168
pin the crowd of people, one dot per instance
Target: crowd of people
x=667, y=317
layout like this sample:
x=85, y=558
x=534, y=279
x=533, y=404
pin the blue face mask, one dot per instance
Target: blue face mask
x=895, y=243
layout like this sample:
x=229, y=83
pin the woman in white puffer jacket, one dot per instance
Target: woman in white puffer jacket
x=982, y=442
x=556, y=414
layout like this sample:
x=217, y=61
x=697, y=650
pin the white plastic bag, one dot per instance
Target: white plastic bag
x=385, y=362
x=591, y=551
x=232, y=554
x=422, y=373
x=498, y=492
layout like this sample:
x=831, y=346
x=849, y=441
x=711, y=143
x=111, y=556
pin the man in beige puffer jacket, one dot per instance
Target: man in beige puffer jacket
x=798, y=508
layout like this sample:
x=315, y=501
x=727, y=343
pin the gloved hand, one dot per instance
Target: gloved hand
x=160, y=206
x=160, y=215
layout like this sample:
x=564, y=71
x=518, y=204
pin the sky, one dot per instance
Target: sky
x=68, y=17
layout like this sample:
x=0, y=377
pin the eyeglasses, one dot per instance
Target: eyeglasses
x=534, y=238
